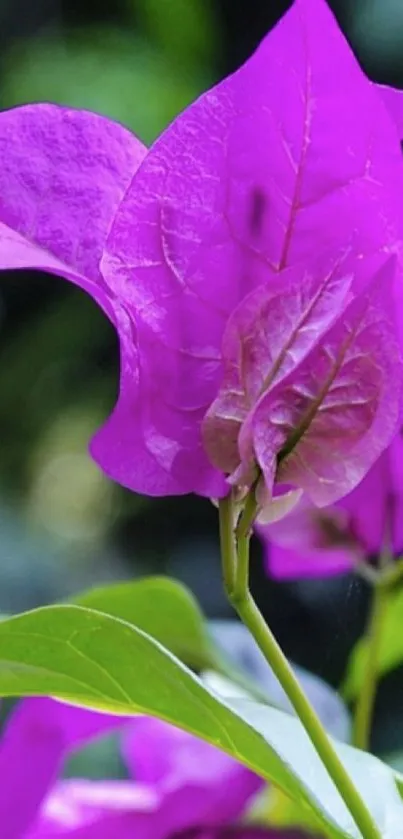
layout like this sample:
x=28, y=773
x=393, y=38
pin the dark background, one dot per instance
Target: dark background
x=63, y=526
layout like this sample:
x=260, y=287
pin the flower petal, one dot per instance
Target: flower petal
x=322, y=428
x=254, y=176
x=251, y=832
x=268, y=335
x=199, y=785
x=139, y=445
x=286, y=564
x=309, y=543
x=375, y=507
x=82, y=809
x=393, y=100
x=63, y=173
x=32, y=747
x=316, y=543
x=257, y=169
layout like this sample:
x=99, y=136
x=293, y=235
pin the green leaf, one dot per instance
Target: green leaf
x=250, y=669
x=164, y=609
x=390, y=654
x=395, y=761
x=280, y=811
x=167, y=610
x=95, y=660
x=399, y=782
x=374, y=780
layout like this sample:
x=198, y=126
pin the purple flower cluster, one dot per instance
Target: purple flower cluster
x=251, y=262
x=178, y=785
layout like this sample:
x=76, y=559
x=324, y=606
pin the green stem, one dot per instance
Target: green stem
x=227, y=524
x=246, y=521
x=234, y=545
x=366, y=700
x=240, y=547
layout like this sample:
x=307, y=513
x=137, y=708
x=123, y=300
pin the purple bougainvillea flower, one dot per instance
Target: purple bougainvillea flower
x=360, y=527
x=178, y=782
x=253, y=268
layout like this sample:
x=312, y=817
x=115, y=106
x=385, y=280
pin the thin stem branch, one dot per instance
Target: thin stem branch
x=247, y=518
x=227, y=542
x=241, y=547
x=366, y=699
x=237, y=587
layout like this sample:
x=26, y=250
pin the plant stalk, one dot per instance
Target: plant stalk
x=235, y=562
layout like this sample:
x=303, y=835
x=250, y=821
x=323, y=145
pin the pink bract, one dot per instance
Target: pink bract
x=362, y=525
x=282, y=171
x=177, y=783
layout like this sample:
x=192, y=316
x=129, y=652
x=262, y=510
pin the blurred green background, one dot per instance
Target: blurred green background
x=63, y=526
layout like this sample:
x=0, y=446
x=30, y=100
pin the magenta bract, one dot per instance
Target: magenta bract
x=245, y=261
x=180, y=782
x=364, y=524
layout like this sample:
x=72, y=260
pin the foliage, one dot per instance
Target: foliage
x=71, y=652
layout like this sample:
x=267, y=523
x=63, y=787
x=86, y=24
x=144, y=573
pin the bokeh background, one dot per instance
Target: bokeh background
x=63, y=526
